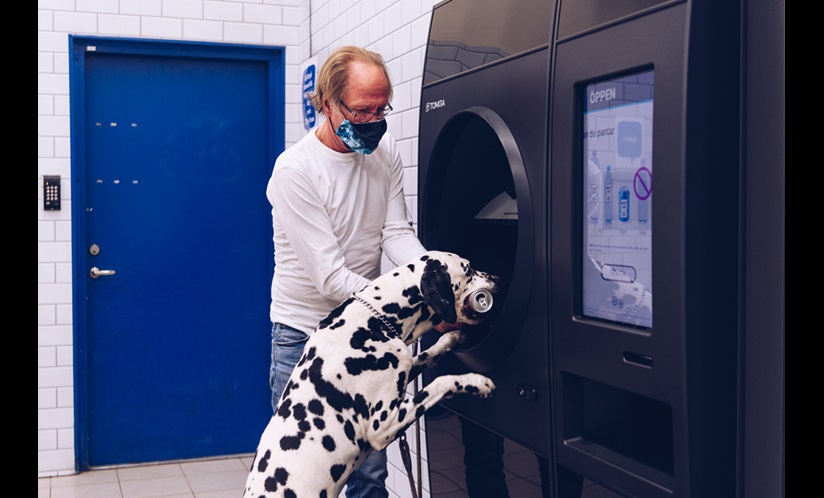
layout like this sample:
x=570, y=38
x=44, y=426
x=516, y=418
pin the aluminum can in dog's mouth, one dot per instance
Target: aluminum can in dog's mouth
x=479, y=301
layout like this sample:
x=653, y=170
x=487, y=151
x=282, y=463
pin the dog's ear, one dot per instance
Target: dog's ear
x=436, y=287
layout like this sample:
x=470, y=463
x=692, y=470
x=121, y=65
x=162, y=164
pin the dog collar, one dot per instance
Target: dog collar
x=392, y=330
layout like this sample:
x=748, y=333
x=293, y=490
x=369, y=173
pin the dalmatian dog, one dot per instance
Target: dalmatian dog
x=348, y=393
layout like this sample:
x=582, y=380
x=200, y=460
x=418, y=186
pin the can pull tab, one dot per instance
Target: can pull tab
x=479, y=301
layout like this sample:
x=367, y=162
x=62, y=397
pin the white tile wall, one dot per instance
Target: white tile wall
x=396, y=28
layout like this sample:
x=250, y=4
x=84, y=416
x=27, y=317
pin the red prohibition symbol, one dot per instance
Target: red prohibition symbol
x=642, y=183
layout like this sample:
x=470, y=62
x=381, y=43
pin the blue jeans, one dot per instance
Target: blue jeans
x=287, y=348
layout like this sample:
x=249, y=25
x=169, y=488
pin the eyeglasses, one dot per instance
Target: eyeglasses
x=367, y=116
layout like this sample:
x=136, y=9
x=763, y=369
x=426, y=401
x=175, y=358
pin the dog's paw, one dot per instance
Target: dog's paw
x=478, y=385
x=488, y=390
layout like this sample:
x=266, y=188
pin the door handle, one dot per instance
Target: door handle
x=97, y=272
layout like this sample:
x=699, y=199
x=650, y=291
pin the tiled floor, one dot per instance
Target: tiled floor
x=217, y=478
x=220, y=478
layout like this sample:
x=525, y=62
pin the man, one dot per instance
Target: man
x=337, y=204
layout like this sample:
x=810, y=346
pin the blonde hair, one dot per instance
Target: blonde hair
x=334, y=74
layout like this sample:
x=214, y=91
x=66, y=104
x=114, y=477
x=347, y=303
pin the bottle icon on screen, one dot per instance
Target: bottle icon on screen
x=593, y=179
x=623, y=203
x=608, y=195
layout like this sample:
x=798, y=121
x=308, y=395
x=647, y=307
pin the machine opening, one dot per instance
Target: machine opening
x=472, y=209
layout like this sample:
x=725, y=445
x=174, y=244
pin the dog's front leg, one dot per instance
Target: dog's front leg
x=431, y=355
x=412, y=408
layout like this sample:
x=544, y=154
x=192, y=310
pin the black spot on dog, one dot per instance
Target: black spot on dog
x=284, y=410
x=264, y=461
x=349, y=430
x=291, y=442
x=307, y=356
x=316, y=407
x=413, y=295
x=359, y=338
x=376, y=424
x=334, y=314
x=401, y=383
x=280, y=477
x=300, y=411
x=336, y=471
x=288, y=493
x=356, y=366
x=304, y=426
x=287, y=389
x=391, y=308
x=422, y=395
x=328, y=443
x=360, y=406
x=319, y=423
x=401, y=414
x=407, y=311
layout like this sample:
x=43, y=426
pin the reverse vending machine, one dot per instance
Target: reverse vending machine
x=598, y=157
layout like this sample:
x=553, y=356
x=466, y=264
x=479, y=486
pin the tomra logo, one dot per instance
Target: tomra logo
x=434, y=105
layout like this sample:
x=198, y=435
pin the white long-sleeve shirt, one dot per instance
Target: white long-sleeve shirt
x=332, y=214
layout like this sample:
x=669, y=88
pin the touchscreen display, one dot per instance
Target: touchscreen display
x=617, y=201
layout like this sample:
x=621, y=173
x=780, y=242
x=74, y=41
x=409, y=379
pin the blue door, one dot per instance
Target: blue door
x=172, y=146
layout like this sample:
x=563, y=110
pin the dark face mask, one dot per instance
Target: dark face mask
x=362, y=137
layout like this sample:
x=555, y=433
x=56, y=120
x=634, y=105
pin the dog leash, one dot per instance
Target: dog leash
x=404, y=446
x=407, y=462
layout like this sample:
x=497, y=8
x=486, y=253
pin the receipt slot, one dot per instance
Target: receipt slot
x=644, y=202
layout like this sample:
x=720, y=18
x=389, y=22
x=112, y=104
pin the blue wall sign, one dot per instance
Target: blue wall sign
x=308, y=87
